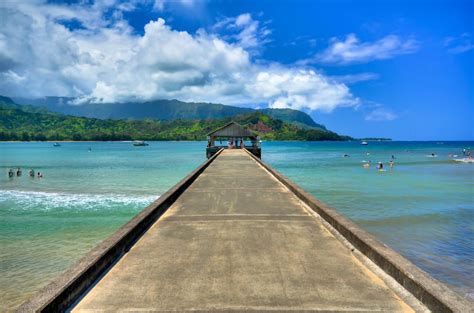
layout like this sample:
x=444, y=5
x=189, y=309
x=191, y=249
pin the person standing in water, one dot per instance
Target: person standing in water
x=18, y=171
x=32, y=173
x=391, y=164
x=11, y=173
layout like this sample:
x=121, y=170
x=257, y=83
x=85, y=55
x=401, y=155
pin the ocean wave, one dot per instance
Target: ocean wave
x=46, y=201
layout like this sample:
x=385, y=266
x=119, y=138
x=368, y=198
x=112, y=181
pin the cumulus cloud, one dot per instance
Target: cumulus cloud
x=352, y=50
x=459, y=44
x=105, y=60
x=295, y=89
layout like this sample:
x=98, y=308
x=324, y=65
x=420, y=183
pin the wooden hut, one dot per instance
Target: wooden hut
x=233, y=136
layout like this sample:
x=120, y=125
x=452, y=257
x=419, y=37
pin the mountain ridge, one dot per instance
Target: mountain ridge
x=164, y=110
x=25, y=123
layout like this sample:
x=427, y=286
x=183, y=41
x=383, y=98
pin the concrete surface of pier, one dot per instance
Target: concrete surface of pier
x=238, y=239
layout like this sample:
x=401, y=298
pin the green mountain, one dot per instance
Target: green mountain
x=295, y=117
x=163, y=110
x=19, y=123
x=7, y=102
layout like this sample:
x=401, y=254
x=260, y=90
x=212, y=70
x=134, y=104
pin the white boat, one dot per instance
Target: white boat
x=465, y=160
x=140, y=144
x=364, y=143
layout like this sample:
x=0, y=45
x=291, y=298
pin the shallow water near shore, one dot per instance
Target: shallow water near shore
x=423, y=208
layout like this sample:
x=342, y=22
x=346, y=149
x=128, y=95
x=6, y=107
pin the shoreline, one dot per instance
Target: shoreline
x=265, y=140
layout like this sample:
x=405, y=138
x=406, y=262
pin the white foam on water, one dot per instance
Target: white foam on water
x=46, y=201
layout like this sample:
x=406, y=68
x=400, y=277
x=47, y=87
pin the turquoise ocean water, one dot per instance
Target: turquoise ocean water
x=423, y=208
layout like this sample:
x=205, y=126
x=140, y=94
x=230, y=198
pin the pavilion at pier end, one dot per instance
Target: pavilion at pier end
x=233, y=136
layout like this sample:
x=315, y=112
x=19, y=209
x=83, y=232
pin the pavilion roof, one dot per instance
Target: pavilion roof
x=232, y=129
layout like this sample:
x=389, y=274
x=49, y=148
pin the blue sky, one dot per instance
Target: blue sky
x=399, y=69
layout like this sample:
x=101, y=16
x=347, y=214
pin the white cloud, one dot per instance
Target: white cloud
x=12, y=76
x=247, y=32
x=105, y=60
x=355, y=78
x=460, y=44
x=160, y=5
x=295, y=89
x=352, y=50
x=381, y=114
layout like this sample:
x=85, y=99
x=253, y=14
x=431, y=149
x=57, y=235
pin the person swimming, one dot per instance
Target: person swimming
x=32, y=173
x=18, y=171
x=380, y=166
x=393, y=157
x=367, y=165
x=40, y=175
x=391, y=163
x=11, y=173
x=346, y=156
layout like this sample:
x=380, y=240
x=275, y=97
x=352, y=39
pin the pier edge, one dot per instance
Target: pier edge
x=65, y=290
x=431, y=292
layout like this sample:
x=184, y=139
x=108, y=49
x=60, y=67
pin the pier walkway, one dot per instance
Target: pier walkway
x=237, y=239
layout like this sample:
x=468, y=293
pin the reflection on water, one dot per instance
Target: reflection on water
x=423, y=208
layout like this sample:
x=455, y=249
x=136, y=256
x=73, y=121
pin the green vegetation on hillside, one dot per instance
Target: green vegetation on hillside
x=18, y=123
x=164, y=110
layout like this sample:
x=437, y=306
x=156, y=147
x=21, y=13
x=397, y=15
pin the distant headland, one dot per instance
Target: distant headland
x=375, y=139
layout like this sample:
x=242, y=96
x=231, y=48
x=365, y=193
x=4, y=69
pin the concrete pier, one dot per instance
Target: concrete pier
x=235, y=235
x=237, y=239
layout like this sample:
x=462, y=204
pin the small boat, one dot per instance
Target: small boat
x=56, y=144
x=364, y=143
x=464, y=160
x=140, y=144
